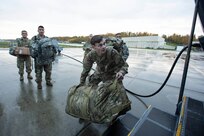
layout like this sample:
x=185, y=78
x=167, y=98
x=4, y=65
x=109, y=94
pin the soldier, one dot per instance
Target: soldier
x=39, y=67
x=87, y=46
x=124, y=51
x=24, y=42
x=110, y=64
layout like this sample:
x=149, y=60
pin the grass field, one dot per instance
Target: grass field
x=5, y=44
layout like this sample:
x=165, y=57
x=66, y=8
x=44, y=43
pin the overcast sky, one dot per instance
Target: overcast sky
x=82, y=17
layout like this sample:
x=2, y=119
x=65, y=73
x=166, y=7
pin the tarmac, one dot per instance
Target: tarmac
x=27, y=111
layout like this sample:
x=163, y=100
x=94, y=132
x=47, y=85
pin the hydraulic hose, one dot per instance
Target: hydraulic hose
x=72, y=58
x=165, y=81
x=75, y=60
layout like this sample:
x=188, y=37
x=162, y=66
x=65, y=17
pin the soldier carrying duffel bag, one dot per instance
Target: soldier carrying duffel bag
x=101, y=104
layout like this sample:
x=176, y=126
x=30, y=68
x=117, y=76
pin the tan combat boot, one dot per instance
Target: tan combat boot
x=21, y=77
x=29, y=76
x=49, y=83
x=39, y=85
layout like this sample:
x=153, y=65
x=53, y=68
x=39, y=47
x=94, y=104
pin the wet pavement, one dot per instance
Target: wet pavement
x=27, y=111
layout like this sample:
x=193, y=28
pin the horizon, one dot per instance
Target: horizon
x=99, y=34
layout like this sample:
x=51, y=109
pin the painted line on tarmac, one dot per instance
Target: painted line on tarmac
x=195, y=68
x=169, y=85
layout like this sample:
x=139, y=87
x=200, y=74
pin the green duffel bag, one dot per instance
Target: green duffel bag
x=78, y=101
x=109, y=101
x=100, y=104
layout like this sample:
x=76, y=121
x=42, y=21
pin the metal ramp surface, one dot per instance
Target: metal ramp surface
x=191, y=120
x=155, y=122
x=121, y=127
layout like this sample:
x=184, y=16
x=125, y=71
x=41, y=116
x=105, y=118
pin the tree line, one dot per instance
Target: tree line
x=178, y=39
x=173, y=39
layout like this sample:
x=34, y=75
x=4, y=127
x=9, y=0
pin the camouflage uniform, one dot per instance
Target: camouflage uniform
x=24, y=42
x=39, y=68
x=87, y=48
x=125, y=52
x=120, y=46
x=107, y=66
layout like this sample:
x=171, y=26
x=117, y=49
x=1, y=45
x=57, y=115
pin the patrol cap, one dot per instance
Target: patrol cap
x=118, y=35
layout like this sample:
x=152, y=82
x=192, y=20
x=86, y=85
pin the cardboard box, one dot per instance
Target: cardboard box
x=22, y=51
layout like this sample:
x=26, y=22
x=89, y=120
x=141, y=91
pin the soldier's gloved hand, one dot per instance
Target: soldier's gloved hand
x=119, y=75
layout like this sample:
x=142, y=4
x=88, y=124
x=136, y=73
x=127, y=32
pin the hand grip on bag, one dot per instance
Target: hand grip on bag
x=119, y=75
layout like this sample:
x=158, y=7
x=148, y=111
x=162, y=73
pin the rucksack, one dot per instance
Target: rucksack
x=116, y=43
x=12, y=50
x=44, y=51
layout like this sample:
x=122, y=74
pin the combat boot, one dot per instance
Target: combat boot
x=21, y=77
x=49, y=83
x=39, y=85
x=29, y=76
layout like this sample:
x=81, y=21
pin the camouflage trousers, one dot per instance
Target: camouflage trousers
x=24, y=60
x=39, y=69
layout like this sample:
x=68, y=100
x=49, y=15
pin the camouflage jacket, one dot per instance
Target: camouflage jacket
x=107, y=65
x=125, y=52
x=37, y=38
x=87, y=46
x=23, y=42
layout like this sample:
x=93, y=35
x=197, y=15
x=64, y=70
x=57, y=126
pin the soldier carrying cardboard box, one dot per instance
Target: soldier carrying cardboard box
x=23, y=55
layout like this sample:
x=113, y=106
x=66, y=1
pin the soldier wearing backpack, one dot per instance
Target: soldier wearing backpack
x=87, y=46
x=124, y=51
x=118, y=44
x=43, y=57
